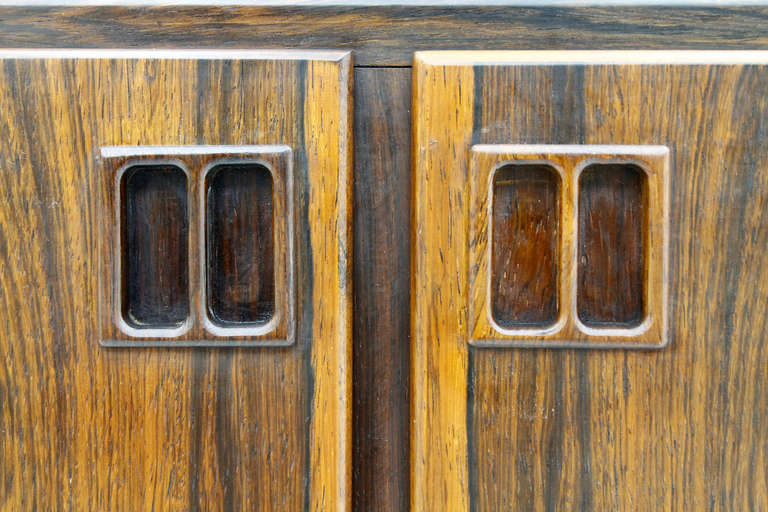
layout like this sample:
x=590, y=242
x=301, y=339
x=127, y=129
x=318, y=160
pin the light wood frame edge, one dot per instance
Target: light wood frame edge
x=568, y=331
x=195, y=161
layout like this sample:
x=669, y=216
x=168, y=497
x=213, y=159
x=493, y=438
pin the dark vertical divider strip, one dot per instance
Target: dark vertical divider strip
x=612, y=238
x=154, y=259
x=381, y=289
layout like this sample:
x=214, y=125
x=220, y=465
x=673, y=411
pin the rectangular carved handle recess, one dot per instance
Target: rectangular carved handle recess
x=228, y=281
x=239, y=245
x=612, y=242
x=525, y=245
x=575, y=251
x=154, y=226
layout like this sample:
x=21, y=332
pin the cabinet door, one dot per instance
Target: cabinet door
x=144, y=193
x=588, y=290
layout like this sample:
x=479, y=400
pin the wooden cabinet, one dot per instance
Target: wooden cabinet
x=305, y=258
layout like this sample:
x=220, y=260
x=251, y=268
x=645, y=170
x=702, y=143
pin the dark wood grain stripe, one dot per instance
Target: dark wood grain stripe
x=522, y=426
x=589, y=430
x=381, y=326
x=241, y=453
x=305, y=286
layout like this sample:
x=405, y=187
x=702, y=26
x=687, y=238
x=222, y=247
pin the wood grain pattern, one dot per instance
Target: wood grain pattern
x=439, y=359
x=677, y=429
x=380, y=35
x=93, y=428
x=525, y=248
x=382, y=216
x=201, y=326
x=386, y=35
x=154, y=225
x=240, y=244
x=329, y=156
x=613, y=221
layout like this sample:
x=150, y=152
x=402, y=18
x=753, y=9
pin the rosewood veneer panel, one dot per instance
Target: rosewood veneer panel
x=605, y=255
x=387, y=32
x=612, y=245
x=382, y=344
x=89, y=427
x=537, y=429
x=239, y=246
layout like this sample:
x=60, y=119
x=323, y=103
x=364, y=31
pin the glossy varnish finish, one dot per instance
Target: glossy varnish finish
x=379, y=36
x=87, y=427
x=613, y=221
x=154, y=224
x=256, y=262
x=551, y=273
x=525, y=252
x=239, y=244
x=681, y=428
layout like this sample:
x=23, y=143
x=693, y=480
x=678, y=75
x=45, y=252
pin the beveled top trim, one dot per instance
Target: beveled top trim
x=128, y=151
x=387, y=3
x=607, y=57
x=173, y=54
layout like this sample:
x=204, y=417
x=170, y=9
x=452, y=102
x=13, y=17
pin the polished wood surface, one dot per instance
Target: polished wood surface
x=612, y=242
x=154, y=226
x=387, y=35
x=525, y=248
x=92, y=428
x=240, y=244
x=439, y=240
x=680, y=428
x=382, y=243
x=612, y=253
x=380, y=35
x=199, y=325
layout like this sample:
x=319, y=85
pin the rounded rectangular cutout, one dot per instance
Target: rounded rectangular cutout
x=612, y=241
x=240, y=248
x=154, y=246
x=525, y=249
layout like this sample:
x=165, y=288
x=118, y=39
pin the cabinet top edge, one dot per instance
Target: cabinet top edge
x=383, y=33
x=572, y=149
x=175, y=54
x=383, y=3
x=589, y=57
